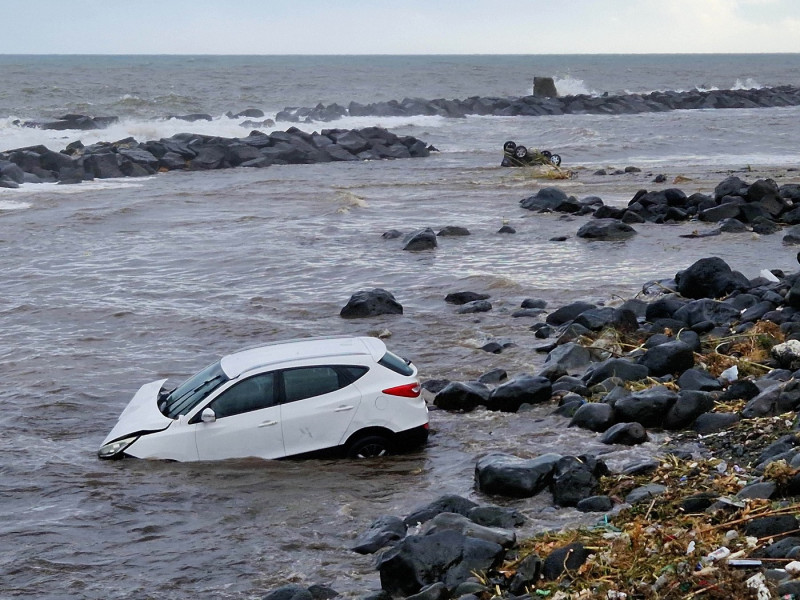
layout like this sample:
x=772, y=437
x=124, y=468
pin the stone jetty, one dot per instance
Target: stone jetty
x=195, y=152
x=538, y=105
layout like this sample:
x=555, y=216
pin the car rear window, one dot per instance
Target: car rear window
x=396, y=364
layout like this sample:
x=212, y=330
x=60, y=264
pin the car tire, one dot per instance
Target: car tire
x=555, y=159
x=520, y=152
x=509, y=146
x=371, y=446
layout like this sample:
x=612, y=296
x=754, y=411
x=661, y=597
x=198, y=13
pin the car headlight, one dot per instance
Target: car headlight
x=116, y=448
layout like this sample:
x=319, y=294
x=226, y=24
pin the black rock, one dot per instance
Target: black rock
x=595, y=504
x=370, y=303
x=450, y=503
x=566, y=558
x=493, y=376
x=594, y=416
x=606, y=230
x=527, y=574
x=496, y=516
x=568, y=356
x=291, y=591
x=573, y=480
x=420, y=240
x=446, y=556
x=477, y=306
x=615, y=367
x=670, y=357
x=462, y=396
x=629, y=434
x=453, y=231
x=710, y=278
x=523, y=389
x=464, y=297
x=712, y=422
x=772, y=526
x=383, y=531
x=698, y=503
x=645, y=493
x=567, y=313
x=689, y=405
x=506, y=475
x=698, y=379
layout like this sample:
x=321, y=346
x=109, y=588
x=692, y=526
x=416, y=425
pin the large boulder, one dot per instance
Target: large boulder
x=648, y=407
x=445, y=556
x=422, y=239
x=466, y=396
x=524, y=389
x=628, y=434
x=710, y=278
x=551, y=198
x=449, y=503
x=707, y=310
x=447, y=521
x=511, y=476
x=370, y=303
x=594, y=416
x=567, y=313
x=104, y=165
x=615, y=367
x=670, y=357
x=606, y=230
x=383, y=531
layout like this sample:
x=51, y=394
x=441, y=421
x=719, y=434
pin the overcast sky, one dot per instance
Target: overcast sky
x=398, y=26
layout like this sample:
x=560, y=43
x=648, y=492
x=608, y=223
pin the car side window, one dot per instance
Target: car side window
x=254, y=393
x=306, y=382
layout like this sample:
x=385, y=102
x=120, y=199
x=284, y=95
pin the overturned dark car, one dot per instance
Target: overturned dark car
x=520, y=156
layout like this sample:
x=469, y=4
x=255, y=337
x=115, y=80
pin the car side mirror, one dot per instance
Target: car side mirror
x=208, y=416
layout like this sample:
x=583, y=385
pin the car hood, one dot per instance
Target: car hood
x=141, y=414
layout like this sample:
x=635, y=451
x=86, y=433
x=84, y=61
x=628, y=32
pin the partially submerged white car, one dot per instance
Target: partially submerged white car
x=348, y=394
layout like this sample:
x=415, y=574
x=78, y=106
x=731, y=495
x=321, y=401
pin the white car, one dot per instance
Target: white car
x=284, y=399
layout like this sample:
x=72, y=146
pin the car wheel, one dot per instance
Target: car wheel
x=509, y=146
x=520, y=152
x=555, y=159
x=371, y=446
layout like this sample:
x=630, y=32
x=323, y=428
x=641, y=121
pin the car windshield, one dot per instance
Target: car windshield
x=192, y=391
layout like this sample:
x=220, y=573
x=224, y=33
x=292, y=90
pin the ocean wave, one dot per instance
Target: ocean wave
x=11, y=204
x=570, y=86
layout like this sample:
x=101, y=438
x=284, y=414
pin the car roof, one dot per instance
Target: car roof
x=306, y=348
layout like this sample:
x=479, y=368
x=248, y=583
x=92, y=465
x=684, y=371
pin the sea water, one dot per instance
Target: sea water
x=111, y=284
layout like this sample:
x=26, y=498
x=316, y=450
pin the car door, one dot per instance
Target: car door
x=318, y=404
x=247, y=422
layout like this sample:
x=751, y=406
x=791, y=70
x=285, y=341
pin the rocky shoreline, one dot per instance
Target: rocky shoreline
x=533, y=106
x=709, y=356
x=196, y=152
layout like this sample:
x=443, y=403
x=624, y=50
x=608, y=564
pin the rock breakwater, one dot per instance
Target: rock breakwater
x=196, y=152
x=537, y=106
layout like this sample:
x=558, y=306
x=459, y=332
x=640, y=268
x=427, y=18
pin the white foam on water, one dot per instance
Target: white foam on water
x=28, y=189
x=570, y=86
x=13, y=136
x=13, y=205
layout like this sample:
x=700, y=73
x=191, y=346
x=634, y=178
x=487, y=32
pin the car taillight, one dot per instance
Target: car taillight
x=409, y=390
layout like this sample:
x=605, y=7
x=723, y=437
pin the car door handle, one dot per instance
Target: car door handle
x=268, y=423
x=343, y=408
